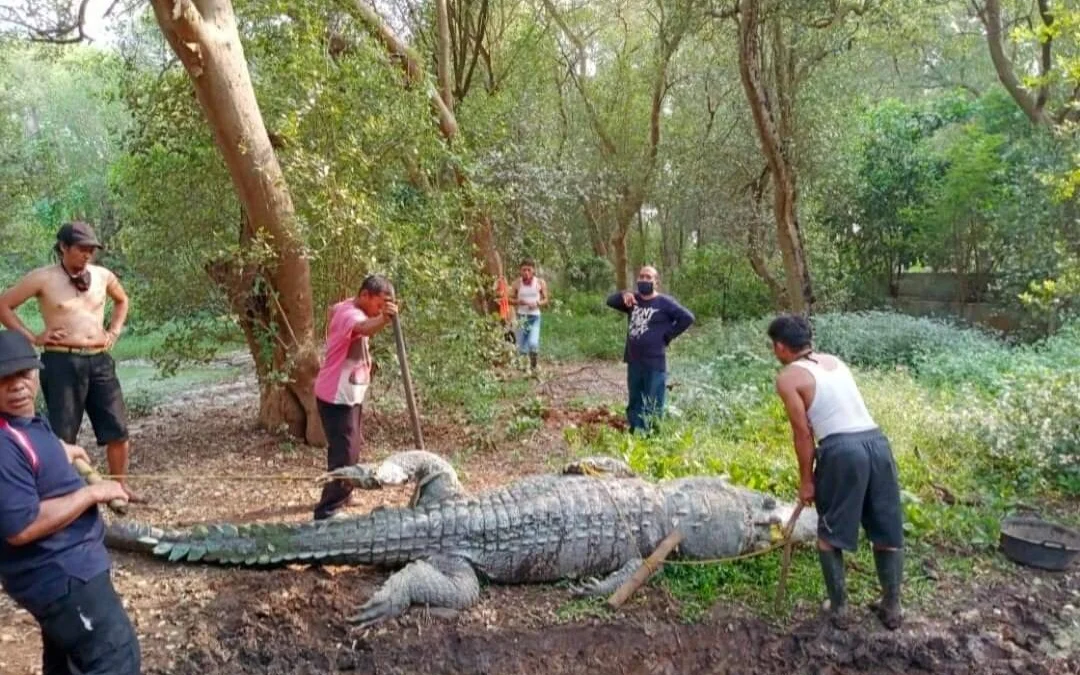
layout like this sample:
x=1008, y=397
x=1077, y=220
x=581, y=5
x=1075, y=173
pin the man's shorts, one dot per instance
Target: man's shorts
x=73, y=383
x=855, y=481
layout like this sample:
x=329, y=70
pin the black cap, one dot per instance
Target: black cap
x=16, y=353
x=78, y=234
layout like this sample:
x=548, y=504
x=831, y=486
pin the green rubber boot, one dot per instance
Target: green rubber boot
x=832, y=568
x=890, y=571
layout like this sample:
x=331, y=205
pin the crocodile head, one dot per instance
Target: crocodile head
x=720, y=520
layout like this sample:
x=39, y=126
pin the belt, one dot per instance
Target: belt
x=84, y=351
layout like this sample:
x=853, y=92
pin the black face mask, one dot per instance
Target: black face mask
x=645, y=287
x=80, y=281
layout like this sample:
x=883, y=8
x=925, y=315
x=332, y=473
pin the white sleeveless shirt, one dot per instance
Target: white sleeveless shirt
x=838, y=407
x=528, y=293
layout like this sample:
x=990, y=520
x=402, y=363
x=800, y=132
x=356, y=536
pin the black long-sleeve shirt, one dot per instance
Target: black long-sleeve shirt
x=651, y=326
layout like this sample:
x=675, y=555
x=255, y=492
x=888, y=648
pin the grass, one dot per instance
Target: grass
x=958, y=406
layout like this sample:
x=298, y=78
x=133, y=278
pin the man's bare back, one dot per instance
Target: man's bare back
x=72, y=318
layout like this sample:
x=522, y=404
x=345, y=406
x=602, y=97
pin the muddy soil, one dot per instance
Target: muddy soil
x=207, y=621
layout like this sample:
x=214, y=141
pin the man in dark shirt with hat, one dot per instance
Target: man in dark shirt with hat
x=53, y=561
x=79, y=375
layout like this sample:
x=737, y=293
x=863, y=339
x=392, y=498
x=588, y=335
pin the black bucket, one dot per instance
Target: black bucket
x=1037, y=543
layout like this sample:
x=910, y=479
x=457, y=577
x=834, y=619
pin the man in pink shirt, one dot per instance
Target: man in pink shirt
x=344, y=378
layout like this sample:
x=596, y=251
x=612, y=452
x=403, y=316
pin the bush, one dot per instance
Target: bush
x=884, y=339
x=717, y=282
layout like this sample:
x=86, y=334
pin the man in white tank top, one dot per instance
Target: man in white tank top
x=529, y=293
x=850, y=475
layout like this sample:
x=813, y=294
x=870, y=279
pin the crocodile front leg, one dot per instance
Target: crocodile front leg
x=441, y=581
x=592, y=586
x=435, y=479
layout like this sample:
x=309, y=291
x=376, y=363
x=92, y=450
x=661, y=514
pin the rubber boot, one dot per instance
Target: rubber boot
x=832, y=568
x=890, y=571
x=532, y=361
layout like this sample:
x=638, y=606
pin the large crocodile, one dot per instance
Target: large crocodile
x=592, y=523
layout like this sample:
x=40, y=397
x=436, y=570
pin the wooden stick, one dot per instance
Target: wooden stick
x=646, y=570
x=781, y=589
x=406, y=378
x=91, y=476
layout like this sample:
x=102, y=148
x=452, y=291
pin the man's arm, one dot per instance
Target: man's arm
x=120, y=307
x=787, y=387
x=55, y=514
x=617, y=300
x=682, y=319
x=25, y=518
x=369, y=327
x=27, y=287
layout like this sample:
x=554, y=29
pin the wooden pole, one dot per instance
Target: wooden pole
x=623, y=593
x=406, y=378
x=91, y=476
x=781, y=589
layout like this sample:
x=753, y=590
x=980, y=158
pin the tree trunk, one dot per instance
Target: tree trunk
x=775, y=149
x=204, y=36
x=442, y=57
x=626, y=209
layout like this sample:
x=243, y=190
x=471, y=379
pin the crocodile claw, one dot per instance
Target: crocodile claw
x=587, y=588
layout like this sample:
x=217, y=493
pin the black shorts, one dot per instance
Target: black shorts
x=89, y=629
x=855, y=482
x=74, y=383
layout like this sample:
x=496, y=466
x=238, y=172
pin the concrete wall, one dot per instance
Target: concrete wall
x=937, y=294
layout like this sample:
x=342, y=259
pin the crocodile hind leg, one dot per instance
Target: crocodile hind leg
x=441, y=581
x=592, y=586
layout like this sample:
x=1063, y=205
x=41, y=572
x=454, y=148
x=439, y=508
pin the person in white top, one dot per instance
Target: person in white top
x=850, y=476
x=529, y=293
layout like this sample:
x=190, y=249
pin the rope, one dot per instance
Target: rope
x=204, y=476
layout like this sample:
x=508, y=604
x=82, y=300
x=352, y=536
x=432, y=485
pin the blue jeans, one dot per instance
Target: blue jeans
x=648, y=389
x=528, y=339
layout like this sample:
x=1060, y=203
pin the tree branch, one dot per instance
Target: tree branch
x=409, y=59
x=1046, y=60
x=990, y=15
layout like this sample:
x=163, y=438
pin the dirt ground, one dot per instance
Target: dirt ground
x=207, y=621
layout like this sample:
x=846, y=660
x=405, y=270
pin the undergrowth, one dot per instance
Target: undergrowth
x=977, y=426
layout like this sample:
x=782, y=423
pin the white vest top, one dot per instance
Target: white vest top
x=527, y=293
x=838, y=407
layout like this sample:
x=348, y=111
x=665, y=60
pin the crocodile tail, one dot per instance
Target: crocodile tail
x=252, y=545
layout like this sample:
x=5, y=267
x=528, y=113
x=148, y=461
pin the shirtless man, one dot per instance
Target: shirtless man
x=79, y=373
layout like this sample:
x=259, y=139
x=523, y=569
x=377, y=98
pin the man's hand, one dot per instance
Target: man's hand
x=75, y=452
x=390, y=309
x=806, y=492
x=106, y=491
x=110, y=339
x=628, y=299
x=50, y=337
x=532, y=305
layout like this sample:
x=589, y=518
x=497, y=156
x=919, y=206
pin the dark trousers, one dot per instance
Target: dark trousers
x=648, y=390
x=88, y=632
x=344, y=438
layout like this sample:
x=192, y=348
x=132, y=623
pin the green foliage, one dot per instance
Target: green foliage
x=582, y=328
x=717, y=281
